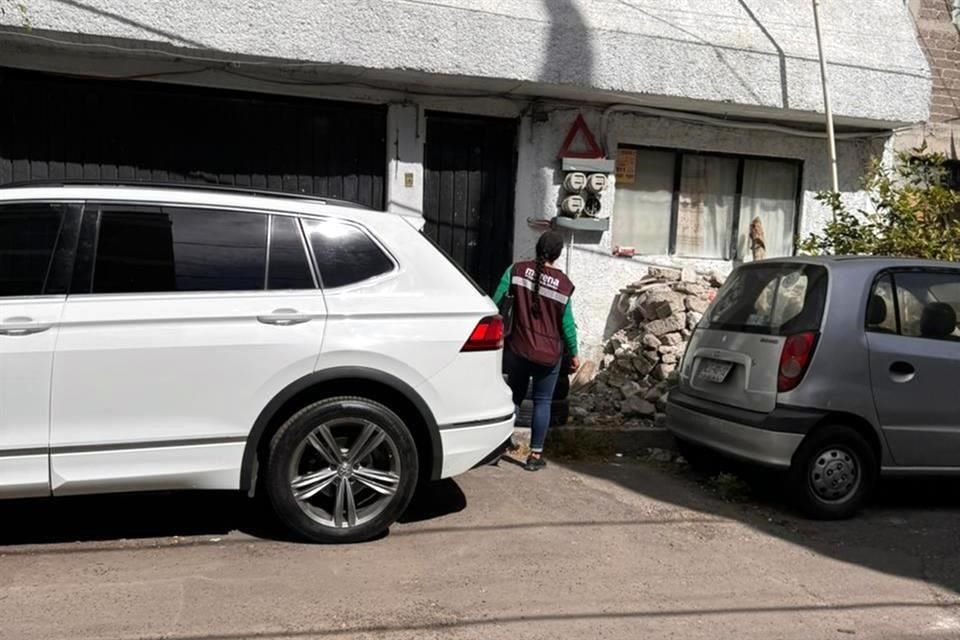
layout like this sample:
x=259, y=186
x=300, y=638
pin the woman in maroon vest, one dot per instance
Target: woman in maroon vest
x=542, y=326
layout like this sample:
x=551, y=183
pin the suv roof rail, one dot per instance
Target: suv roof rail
x=226, y=188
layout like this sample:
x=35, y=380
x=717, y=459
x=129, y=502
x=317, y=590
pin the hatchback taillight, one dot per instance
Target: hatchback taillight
x=794, y=360
x=488, y=335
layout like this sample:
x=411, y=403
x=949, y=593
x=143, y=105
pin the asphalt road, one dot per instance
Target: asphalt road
x=595, y=551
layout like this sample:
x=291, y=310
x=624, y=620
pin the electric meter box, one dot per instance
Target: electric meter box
x=575, y=182
x=572, y=206
x=596, y=182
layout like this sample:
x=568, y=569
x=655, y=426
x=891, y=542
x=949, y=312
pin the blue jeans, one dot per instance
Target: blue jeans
x=519, y=372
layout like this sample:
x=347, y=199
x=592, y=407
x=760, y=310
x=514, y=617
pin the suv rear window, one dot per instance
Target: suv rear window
x=773, y=299
x=345, y=255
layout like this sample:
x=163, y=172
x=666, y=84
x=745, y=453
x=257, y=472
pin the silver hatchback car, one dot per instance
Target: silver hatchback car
x=836, y=369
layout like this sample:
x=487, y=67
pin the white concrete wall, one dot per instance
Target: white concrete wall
x=404, y=179
x=725, y=54
x=597, y=272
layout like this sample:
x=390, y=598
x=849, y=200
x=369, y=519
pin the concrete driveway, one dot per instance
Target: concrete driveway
x=589, y=551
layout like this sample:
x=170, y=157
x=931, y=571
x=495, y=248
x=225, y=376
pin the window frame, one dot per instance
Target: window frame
x=892, y=273
x=678, y=155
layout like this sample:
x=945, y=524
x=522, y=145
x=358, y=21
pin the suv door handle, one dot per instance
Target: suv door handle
x=22, y=326
x=284, y=317
x=902, y=371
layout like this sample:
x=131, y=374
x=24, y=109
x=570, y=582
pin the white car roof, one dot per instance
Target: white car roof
x=199, y=195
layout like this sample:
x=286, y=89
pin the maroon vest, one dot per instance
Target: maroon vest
x=538, y=338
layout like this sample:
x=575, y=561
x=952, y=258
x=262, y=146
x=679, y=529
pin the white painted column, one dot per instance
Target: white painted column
x=404, y=180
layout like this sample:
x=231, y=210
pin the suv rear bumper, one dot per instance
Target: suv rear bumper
x=765, y=438
x=466, y=445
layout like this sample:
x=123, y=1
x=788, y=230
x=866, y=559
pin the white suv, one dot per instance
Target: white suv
x=322, y=354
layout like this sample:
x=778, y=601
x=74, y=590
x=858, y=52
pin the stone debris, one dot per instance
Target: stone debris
x=640, y=361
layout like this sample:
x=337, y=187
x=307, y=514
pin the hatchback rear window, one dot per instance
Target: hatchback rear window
x=773, y=299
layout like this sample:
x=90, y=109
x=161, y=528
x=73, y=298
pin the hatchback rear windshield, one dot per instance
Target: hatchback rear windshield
x=774, y=299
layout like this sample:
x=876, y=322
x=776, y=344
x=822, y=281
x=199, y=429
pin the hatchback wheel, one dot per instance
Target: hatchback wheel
x=341, y=470
x=833, y=472
x=700, y=459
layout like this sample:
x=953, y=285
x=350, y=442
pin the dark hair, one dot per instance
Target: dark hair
x=549, y=248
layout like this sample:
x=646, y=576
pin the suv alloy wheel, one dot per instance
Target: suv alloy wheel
x=341, y=470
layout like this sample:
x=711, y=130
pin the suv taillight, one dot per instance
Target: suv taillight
x=794, y=360
x=488, y=335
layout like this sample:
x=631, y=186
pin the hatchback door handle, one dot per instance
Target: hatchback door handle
x=284, y=317
x=902, y=371
x=22, y=326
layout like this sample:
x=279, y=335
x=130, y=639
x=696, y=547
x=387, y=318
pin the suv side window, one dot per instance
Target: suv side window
x=151, y=249
x=344, y=253
x=28, y=235
x=289, y=267
x=929, y=303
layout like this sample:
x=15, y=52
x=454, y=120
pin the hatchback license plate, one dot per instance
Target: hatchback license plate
x=715, y=371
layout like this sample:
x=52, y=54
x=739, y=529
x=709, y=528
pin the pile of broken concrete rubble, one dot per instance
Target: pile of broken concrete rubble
x=640, y=360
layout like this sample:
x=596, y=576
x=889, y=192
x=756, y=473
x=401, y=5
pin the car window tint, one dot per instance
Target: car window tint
x=344, y=253
x=149, y=249
x=776, y=299
x=929, y=304
x=289, y=266
x=881, y=317
x=28, y=234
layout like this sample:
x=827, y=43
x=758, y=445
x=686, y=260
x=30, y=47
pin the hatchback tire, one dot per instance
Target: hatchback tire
x=701, y=459
x=341, y=470
x=833, y=472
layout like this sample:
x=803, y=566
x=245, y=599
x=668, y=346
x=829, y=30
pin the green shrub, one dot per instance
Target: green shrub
x=913, y=213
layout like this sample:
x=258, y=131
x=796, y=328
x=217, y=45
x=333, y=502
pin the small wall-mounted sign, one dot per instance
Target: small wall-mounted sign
x=580, y=132
x=408, y=180
x=626, y=166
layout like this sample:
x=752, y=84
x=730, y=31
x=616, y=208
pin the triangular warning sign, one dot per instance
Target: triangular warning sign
x=587, y=148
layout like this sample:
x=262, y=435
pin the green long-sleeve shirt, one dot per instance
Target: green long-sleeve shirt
x=569, y=325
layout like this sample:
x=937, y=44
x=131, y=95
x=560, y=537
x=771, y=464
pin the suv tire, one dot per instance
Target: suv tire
x=833, y=472
x=341, y=470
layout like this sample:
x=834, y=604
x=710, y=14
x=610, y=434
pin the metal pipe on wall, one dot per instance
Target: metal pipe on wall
x=831, y=138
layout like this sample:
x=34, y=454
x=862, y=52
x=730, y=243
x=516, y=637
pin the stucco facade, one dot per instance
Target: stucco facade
x=748, y=69
x=759, y=54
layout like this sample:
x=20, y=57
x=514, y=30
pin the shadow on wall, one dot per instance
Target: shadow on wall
x=781, y=56
x=721, y=53
x=570, y=58
x=177, y=40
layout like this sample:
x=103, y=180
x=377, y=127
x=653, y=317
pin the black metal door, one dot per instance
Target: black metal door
x=53, y=127
x=468, y=192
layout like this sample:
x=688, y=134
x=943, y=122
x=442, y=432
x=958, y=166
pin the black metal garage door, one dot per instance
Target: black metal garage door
x=53, y=127
x=468, y=190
